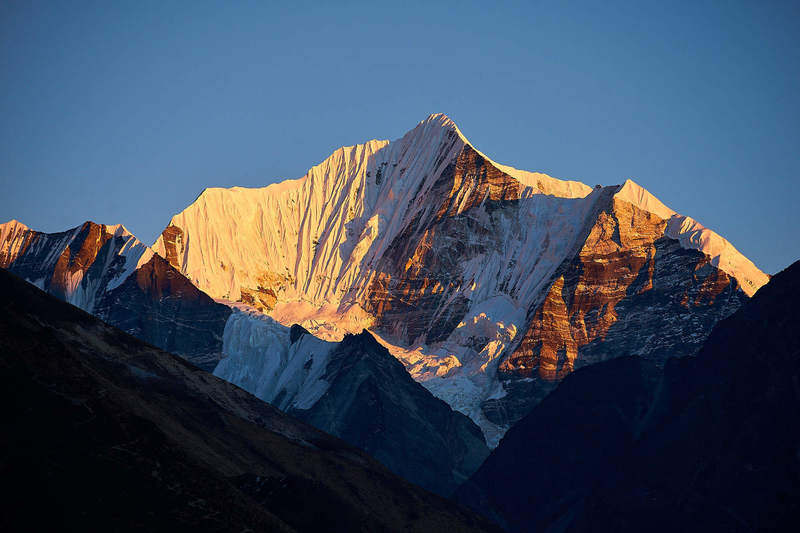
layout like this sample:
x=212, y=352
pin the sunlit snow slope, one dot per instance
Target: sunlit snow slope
x=489, y=283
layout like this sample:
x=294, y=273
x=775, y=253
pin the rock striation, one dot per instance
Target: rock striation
x=629, y=290
x=490, y=284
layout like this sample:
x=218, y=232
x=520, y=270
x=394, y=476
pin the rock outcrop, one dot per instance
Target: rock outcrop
x=147, y=297
x=156, y=303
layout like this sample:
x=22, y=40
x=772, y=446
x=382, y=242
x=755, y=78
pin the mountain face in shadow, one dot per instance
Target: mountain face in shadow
x=105, y=432
x=355, y=390
x=710, y=443
x=373, y=403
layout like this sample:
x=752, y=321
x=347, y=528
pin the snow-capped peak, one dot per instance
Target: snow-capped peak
x=537, y=181
x=13, y=223
x=7, y=229
x=693, y=235
x=637, y=195
x=90, y=242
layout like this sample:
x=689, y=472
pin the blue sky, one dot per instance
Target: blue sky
x=124, y=114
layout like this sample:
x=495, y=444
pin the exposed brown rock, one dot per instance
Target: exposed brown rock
x=414, y=293
x=628, y=291
x=580, y=305
x=156, y=303
x=173, y=245
x=78, y=256
x=160, y=305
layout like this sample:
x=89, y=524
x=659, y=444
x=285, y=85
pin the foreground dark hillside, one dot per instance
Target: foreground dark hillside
x=711, y=443
x=104, y=432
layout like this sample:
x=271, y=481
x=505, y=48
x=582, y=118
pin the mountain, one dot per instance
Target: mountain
x=354, y=389
x=706, y=443
x=489, y=283
x=105, y=432
x=106, y=271
x=78, y=265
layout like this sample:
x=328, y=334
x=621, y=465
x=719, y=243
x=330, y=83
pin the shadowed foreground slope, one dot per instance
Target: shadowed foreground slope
x=104, y=432
x=711, y=443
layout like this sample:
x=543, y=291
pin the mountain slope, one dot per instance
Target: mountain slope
x=708, y=443
x=106, y=432
x=374, y=404
x=106, y=271
x=489, y=283
x=357, y=391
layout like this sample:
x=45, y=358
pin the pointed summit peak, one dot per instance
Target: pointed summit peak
x=115, y=229
x=440, y=119
x=11, y=227
x=14, y=223
x=640, y=197
x=437, y=122
x=693, y=235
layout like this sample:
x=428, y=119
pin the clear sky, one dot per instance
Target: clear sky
x=124, y=114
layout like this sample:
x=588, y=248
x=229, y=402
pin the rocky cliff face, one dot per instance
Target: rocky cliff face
x=704, y=443
x=629, y=290
x=106, y=271
x=489, y=283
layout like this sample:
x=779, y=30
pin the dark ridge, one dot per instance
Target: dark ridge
x=161, y=306
x=372, y=402
x=103, y=432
